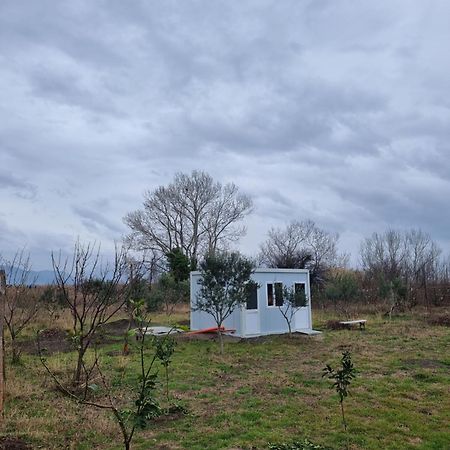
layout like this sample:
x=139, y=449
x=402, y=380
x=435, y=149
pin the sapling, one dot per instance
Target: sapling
x=294, y=298
x=145, y=406
x=164, y=351
x=341, y=380
x=224, y=286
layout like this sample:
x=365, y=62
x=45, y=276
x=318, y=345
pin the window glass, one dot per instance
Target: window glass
x=270, y=296
x=278, y=294
x=252, y=298
x=300, y=292
x=275, y=294
x=299, y=288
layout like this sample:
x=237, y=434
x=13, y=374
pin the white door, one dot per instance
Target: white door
x=302, y=317
x=251, y=314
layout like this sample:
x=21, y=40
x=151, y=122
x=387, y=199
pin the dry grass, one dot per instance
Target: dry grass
x=261, y=390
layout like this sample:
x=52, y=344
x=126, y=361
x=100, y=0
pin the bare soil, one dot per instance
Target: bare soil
x=54, y=340
x=13, y=443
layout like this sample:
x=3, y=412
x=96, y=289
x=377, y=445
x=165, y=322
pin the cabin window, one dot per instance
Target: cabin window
x=299, y=288
x=252, y=297
x=275, y=294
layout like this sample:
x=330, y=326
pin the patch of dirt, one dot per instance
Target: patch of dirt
x=425, y=363
x=248, y=340
x=205, y=337
x=13, y=443
x=118, y=327
x=443, y=320
x=335, y=325
x=54, y=340
x=185, y=322
x=51, y=341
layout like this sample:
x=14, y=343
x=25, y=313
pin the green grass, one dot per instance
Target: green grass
x=268, y=390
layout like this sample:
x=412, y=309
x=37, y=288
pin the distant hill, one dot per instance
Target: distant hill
x=38, y=277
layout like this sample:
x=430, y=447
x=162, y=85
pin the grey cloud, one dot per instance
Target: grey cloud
x=317, y=109
x=19, y=186
x=97, y=222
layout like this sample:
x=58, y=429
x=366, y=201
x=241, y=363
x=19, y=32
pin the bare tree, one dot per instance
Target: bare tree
x=422, y=256
x=385, y=254
x=21, y=298
x=192, y=213
x=400, y=254
x=298, y=246
x=144, y=406
x=93, y=292
x=294, y=298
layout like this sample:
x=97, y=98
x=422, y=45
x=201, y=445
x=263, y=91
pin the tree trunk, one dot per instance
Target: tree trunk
x=15, y=351
x=81, y=351
x=219, y=332
x=167, y=388
x=126, y=347
x=2, y=346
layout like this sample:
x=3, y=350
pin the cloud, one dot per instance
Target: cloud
x=332, y=111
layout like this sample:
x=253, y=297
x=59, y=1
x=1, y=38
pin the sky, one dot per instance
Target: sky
x=335, y=111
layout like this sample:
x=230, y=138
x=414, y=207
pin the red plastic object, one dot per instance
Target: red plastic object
x=211, y=330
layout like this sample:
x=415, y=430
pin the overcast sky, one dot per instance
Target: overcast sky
x=337, y=111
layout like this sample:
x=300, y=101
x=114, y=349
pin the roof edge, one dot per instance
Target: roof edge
x=267, y=270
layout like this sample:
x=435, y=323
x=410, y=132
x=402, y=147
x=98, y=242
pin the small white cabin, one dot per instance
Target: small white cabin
x=261, y=314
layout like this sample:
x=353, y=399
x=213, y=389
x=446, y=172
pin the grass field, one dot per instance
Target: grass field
x=263, y=390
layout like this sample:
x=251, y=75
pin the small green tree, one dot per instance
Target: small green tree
x=395, y=291
x=179, y=264
x=165, y=348
x=342, y=289
x=225, y=280
x=341, y=380
x=294, y=298
x=167, y=293
x=145, y=406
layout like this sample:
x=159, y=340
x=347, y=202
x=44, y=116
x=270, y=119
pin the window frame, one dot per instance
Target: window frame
x=257, y=302
x=273, y=283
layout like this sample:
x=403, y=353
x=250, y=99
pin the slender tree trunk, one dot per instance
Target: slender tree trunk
x=219, y=332
x=15, y=351
x=167, y=387
x=126, y=347
x=81, y=351
x=343, y=417
x=126, y=437
x=2, y=346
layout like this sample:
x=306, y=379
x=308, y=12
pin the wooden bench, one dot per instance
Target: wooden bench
x=350, y=323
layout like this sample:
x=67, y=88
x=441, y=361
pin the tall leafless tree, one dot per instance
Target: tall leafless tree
x=193, y=213
x=300, y=245
x=384, y=254
x=400, y=254
x=94, y=293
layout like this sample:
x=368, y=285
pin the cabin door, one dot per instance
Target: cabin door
x=252, y=319
x=301, y=318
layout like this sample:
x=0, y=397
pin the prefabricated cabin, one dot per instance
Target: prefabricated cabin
x=261, y=314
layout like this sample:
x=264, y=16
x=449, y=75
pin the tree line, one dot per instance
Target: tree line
x=194, y=216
